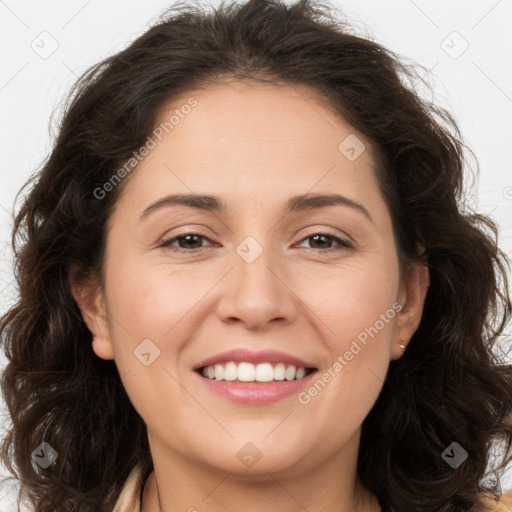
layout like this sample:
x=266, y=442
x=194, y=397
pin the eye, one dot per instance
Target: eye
x=189, y=242
x=317, y=237
x=188, y=239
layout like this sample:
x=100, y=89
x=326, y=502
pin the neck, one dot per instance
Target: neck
x=180, y=484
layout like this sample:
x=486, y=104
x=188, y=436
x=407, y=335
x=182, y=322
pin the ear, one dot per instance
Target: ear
x=92, y=304
x=413, y=291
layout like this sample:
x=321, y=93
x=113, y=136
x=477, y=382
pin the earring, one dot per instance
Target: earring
x=402, y=347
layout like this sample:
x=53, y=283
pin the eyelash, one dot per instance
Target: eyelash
x=344, y=244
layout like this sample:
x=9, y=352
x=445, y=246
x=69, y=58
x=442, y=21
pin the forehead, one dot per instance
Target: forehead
x=246, y=140
x=264, y=113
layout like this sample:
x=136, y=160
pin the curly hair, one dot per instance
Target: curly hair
x=450, y=385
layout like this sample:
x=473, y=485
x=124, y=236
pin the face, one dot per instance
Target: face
x=320, y=284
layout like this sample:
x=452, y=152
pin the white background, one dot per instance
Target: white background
x=476, y=85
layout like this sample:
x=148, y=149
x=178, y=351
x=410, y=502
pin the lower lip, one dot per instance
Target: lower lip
x=255, y=393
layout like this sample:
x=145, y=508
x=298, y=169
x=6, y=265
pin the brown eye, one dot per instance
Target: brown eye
x=187, y=242
x=323, y=239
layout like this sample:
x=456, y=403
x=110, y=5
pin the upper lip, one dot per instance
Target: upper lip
x=264, y=356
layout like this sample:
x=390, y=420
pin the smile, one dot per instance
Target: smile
x=255, y=384
x=249, y=372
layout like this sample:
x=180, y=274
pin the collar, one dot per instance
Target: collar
x=130, y=498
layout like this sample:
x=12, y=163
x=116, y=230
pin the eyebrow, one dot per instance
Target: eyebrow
x=215, y=204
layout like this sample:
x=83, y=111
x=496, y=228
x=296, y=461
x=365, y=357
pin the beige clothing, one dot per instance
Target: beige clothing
x=130, y=497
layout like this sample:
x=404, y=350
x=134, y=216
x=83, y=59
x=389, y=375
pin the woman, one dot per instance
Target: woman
x=247, y=284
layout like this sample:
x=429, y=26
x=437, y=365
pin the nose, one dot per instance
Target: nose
x=258, y=293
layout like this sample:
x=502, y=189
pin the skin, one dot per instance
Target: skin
x=254, y=146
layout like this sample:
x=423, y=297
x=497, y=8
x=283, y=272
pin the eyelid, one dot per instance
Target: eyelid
x=166, y=241
x=343, y=243
x=314, y=229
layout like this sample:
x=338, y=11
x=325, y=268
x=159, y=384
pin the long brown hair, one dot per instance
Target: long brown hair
x=448, y=387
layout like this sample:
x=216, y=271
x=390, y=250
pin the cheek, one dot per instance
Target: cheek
x=150, y=301
x=356, y=312
x=158, y=301
x=350, y=298
x=152, y=319
x=346, y=388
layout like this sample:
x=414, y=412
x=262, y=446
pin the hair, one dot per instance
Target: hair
x=449, y=386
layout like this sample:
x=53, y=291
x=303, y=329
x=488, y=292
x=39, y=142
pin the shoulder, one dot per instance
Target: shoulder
x=504, y=504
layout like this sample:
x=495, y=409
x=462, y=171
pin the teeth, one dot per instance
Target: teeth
x=279, y=371
x=219, y=372
x=230, y=372
x=248, y=372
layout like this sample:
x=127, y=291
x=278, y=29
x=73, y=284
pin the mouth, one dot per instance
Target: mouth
x=262, y=373
x=245, y=383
